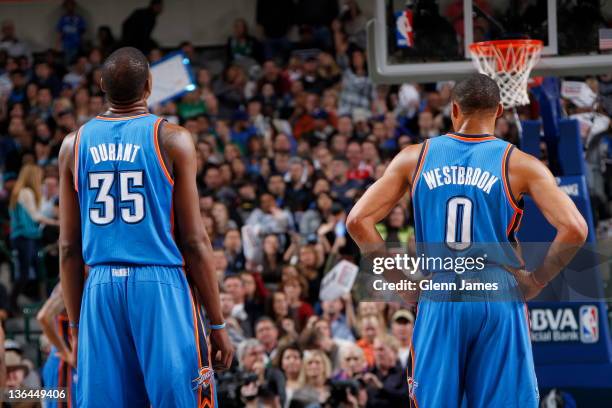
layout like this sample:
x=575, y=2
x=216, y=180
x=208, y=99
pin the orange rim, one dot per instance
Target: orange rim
x=486, y=49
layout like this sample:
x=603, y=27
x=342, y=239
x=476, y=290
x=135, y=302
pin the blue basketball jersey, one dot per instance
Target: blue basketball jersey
x=461, y=195
x=125, y=193
x=469, y=347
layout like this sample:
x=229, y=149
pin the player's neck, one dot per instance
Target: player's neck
x=476, y=127
x=128, y=109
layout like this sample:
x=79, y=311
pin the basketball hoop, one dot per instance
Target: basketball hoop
x=509, y=63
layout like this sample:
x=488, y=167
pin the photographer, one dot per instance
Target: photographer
x=253, y=363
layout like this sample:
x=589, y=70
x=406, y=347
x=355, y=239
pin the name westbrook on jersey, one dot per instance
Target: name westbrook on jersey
x=460, y=175
x=114, y=152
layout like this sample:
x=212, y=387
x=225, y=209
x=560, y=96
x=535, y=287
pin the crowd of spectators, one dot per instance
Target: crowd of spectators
x=288, y=136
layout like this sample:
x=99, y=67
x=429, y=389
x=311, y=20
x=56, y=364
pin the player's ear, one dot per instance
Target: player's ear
x=454, y=110
x=148, y=86
x=500, y=110
x=102, y=87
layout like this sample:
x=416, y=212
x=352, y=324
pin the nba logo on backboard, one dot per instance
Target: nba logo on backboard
x=589, y=324
x=404, y=33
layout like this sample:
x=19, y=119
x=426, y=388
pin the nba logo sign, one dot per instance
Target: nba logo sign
x=404, y=35
x=589, y=324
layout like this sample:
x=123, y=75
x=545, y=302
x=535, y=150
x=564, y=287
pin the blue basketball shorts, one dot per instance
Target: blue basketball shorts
x=142, y=340
x=472, y=354
x=56, y=373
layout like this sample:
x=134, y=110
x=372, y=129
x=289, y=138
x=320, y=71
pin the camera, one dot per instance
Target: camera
x=229, y=385
x=339, y=389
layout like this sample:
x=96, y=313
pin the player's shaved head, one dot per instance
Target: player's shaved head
x=478, y=93
x=124, y=75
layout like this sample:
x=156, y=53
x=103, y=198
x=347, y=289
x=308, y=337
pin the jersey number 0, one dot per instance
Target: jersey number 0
x=459, y=223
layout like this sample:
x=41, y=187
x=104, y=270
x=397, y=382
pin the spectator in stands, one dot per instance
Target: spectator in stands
x=255, y=293
x=268, y=218
x=77, y=74
x=278, y=308
x=289, y=361
x=8, y=41
x=242, y=45
x=387, y=381
x=267, y=334
x=369, y=327
x=294, y=287
x=234, y=286
x=105, y=40
x=25, y=214
x=316, y=369
x=271, y=265
x=16, y=369
x=14, y=352
x=252, y=359
x=341, y=317
x=343, y=189
x=45, y=77
x=354, y=23
x=70, y=29
x=402, y=324
x=138, y=27
x=427, y=126
x=317, y=336
x=232, y=244
x=352, y=363
x=396, y=228
x=357, y=88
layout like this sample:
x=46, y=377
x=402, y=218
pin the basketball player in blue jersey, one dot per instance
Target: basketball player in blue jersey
x=467, y=188
x=125, y=176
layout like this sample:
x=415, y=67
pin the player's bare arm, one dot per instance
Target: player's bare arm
x=378, y=200
x=193, y=240
x=72, y=273
x=529, y=176
x=46, y=318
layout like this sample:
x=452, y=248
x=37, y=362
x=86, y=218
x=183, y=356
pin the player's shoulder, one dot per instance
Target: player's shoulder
x=519, y=160
x=175, y=139
x=523, y=169
x=67, y=148
x=411, y=152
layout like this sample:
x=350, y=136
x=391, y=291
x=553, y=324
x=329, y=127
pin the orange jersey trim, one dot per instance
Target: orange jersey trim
x=158, y=151
x=75, y=174
x=470, y=139
x=417, y=175
x=196, y=335
x=413, y=396
x=122, y=117
x=504, y=178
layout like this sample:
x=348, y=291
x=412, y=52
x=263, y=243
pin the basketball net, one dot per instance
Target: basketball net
x=509, y=63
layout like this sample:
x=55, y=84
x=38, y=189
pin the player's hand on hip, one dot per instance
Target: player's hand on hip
x=74, y=347
x=526, y=282
x=67, y=356
x=222, y=351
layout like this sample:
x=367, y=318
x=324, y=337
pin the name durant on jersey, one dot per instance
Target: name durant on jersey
x=114, y=152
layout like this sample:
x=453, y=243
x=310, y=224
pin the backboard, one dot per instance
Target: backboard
x=428, y=40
